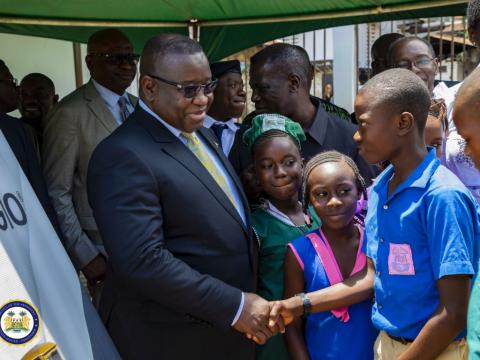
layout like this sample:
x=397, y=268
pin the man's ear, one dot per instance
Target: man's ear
x=89, y=62
x=437, y=65
x=293, y=82
x=147, y=88
x=405, y=123
x=55, y=99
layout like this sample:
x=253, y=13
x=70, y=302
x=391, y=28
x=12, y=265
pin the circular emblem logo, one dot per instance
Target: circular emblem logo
x=19, y=322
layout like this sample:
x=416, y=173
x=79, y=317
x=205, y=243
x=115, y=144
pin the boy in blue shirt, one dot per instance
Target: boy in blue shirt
x=421, y=229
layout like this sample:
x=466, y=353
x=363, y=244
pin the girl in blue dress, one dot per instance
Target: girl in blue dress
x=332, y=185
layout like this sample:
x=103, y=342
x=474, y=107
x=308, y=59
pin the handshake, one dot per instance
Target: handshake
x=261, y=319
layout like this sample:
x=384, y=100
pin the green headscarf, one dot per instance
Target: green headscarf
x=265, y=122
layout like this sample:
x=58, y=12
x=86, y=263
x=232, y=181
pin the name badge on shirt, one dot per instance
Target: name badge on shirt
x=400, y=260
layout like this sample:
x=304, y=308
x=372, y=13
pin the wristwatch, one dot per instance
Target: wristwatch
x=307, y=304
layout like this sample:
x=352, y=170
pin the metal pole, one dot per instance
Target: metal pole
x=77, y=64
x=247, y=74
x=314, y=60
x=356, y=59
x=452, y=48
x=464, y=47
x=194, y=30
x=441, y=46
x=324, y=74
x=368, y=47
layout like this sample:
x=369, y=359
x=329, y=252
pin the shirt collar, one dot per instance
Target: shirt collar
x=419, y=178
x=318, y=130
x=171, y=128
x=231, y=123
x=110, y=97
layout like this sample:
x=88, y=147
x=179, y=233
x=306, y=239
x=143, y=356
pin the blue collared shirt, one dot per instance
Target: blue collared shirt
x=426, y=229
x=228, y=136
x=111, y=98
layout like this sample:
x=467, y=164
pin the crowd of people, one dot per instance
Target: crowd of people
x=301, y=232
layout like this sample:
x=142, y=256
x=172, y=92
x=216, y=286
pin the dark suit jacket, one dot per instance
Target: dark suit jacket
x=179, y=253
x=26, y=155
x=239, y=155
x=332, y=130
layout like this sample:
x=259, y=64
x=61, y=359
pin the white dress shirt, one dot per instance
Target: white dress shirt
x=111, y=98
x=228, y=135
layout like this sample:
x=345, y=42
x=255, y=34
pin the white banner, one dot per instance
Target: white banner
x=40, y=294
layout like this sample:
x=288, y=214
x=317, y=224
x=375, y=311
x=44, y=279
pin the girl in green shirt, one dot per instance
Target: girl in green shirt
x=275, y=144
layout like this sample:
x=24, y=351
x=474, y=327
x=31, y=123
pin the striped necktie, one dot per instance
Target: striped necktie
x=196, y=146
x=122, y=104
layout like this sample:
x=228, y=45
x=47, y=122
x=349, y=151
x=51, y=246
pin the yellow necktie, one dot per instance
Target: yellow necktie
x=195, y=145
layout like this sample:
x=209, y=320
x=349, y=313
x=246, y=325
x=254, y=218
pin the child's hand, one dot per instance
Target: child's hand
x=285, y=311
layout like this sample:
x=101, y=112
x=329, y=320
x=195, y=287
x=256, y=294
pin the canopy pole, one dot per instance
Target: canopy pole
x=194, y=29
x=77, y=64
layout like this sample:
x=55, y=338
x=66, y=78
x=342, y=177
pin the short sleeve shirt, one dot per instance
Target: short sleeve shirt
x=426, y=229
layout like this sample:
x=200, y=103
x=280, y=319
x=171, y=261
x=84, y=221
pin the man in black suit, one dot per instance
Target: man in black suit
x=227, y=106
x=174, y=221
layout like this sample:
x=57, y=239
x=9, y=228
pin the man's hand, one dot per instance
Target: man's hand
x=95, y=271
x=253, y=320
x=284, y=312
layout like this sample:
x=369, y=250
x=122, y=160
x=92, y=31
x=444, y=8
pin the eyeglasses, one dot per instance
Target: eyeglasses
x=190, y=91
x=118, y=59
x=420, y=63
x=10, y=81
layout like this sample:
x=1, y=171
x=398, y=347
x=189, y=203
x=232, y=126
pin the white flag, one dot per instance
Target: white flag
x=40, y=294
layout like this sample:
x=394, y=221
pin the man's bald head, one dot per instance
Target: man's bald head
x=163, y=48
x=170, y=67
x=103, y=38
x=110, y=60
x=470, y=89
x=288, y=59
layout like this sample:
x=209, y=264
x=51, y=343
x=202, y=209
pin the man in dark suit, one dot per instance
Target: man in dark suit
x=24, y=151
x=174, y=221
x=227, y=107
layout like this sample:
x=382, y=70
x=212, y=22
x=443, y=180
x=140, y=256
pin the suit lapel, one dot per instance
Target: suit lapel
x=177, y=150
x=208, y=137
x=98, y=107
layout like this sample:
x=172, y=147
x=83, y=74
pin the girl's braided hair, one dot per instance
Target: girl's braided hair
x=326, y=157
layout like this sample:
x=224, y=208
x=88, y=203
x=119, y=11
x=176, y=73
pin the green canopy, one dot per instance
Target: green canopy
x=224, y=26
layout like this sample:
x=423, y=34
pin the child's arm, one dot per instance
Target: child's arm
x=355, y=289
x=294, y=284
x=445, y=324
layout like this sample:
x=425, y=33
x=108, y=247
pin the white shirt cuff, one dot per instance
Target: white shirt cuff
x=239, y=311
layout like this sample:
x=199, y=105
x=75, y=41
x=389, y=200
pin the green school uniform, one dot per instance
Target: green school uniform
x=274, y=235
